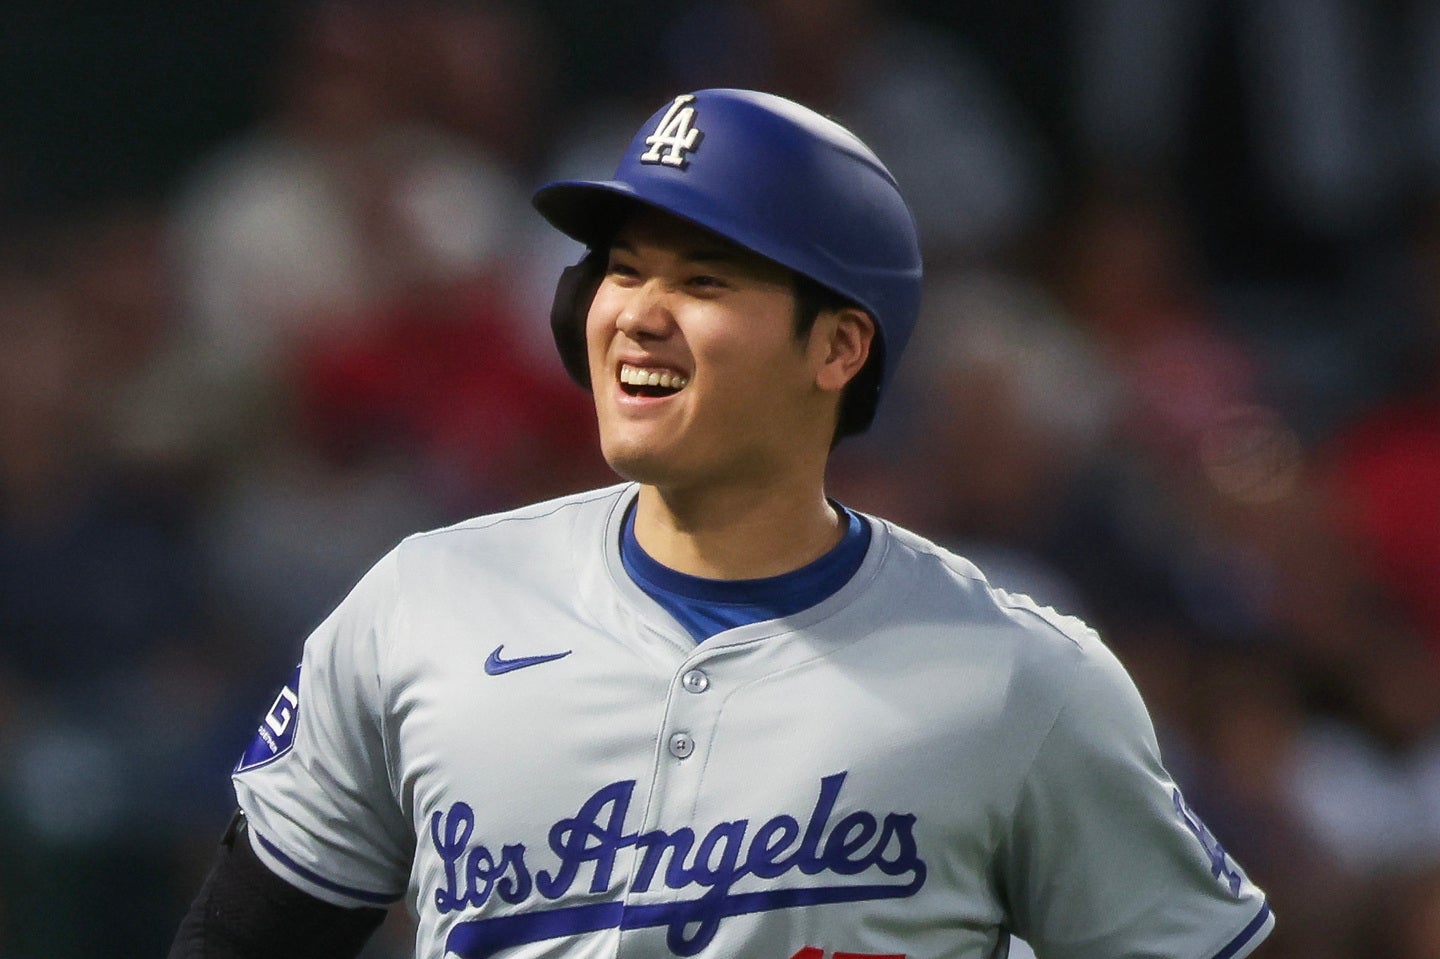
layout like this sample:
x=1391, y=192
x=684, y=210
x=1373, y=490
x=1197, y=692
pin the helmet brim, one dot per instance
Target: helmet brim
x=590, y=211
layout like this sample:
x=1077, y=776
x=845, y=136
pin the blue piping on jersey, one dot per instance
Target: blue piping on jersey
x=1246, y=934
x=380, y=899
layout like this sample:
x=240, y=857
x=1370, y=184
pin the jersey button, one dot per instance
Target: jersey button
x=695, y=681
x=681, y=745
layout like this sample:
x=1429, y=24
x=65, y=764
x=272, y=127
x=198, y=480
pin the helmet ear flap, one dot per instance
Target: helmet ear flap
x=573, y=294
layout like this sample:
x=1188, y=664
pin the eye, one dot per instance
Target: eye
x=707, y=282
x=619, y=270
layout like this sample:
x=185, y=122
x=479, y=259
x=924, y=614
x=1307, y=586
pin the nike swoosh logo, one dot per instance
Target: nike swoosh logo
x=495, y=665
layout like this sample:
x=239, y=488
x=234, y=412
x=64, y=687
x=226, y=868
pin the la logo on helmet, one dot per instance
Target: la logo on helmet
x=675, y=135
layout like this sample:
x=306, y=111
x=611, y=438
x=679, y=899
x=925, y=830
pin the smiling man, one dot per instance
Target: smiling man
x=709, y=711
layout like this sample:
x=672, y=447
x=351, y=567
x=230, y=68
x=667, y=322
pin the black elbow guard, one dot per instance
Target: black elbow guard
x=245, y=911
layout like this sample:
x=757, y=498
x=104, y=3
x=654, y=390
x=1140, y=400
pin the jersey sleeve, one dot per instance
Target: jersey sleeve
x=315, y=783
x=1105, y=858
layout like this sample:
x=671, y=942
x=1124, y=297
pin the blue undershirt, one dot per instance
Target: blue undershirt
x=706, y=607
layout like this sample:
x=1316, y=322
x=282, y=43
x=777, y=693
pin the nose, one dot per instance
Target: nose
x=644, y=312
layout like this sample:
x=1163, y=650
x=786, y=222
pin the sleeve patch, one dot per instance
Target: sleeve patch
x=1220, y=865
x=276, y=734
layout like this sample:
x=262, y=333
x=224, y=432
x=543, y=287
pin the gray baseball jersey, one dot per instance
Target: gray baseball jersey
x=499, y=724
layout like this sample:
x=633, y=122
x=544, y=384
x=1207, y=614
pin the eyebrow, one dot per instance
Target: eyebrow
x=697, y=254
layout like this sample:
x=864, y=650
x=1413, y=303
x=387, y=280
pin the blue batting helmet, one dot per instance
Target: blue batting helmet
x=770, y=175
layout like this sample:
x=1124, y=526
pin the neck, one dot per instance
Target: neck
x=736, y=534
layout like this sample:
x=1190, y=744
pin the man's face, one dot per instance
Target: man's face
x=697, y=373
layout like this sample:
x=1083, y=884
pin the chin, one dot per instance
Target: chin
x=637, y=464
x=645, y=471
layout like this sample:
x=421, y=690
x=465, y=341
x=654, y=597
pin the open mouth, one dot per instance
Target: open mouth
x=639, y=381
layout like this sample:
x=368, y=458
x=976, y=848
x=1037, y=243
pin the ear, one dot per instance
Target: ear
x=573, y=295
x=841, y=342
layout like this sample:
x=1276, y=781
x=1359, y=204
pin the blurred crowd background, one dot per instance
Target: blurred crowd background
x=272, y=297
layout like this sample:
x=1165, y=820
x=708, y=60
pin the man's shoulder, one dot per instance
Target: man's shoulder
x=956, y=579
x=949, y=585
x=551, y=528
x=529, y=517
x=930, y=604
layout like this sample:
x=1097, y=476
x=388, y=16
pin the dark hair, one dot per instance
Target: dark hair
x=857, y=402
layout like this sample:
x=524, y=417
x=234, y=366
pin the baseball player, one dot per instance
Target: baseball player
x=709, y=711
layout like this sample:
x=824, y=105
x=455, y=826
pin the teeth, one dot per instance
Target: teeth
x=634, y=376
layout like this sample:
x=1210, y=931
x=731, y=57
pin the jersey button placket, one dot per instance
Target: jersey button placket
x=682, y=745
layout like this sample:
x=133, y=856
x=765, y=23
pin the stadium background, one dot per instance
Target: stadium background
x=271, y=297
